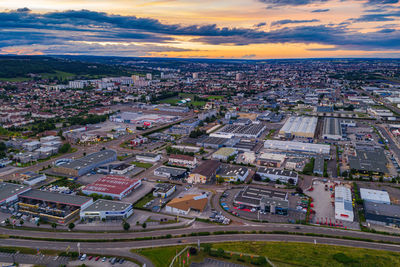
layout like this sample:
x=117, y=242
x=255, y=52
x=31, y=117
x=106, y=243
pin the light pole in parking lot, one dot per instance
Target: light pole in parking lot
x=79, y=248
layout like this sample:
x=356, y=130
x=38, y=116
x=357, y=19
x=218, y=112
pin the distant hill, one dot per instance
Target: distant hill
x=23, y=66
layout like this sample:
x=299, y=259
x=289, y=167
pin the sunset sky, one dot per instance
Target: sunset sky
x=251, y=29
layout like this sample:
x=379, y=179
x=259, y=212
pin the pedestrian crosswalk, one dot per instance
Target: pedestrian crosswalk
x=38, y=259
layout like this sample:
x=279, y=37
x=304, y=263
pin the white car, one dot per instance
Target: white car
x=83, y=257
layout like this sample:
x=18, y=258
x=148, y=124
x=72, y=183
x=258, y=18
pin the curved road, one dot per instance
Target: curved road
x=199, y=227
x=123, y=248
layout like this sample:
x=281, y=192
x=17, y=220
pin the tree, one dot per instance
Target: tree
x=54, y=226
x=144, y=225
x=291, y=181
x=221, y=252
x=71, y=226
x=257, y=177
x=126, y=226
x=21, y=222
x=64, y=148
x=207, y=248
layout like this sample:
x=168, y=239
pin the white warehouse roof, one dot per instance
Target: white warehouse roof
x=343, y=204
x=297, y=146
x=377, y=196
x=300, y=126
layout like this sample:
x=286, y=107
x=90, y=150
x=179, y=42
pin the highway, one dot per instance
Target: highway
x=198, y=227
x=122, y=248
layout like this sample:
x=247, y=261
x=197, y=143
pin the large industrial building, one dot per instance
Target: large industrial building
x=343, y=204
x=113, y=186
x=376, y=196
x=103, y=209
x=283, y=176
x=232, y=173
x=86, y=164
x=369, y=160
x=297, y=147
x=253, y=130
x=52, y=207
x=332, y=129
x=264, y=199
x=299, y=127
x=382, y=214
x=9, y=193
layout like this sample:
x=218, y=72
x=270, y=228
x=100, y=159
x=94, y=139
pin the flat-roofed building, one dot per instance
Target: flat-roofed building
x=232, y=173
x=86, y=164
x=319, y=165
x=299, y=127
x=369, y=160
x=273, y=174
x=343, y=204
x=103, y=209
x=116, y=187
x=148, y=157
x=267, y=200
x=53, y=207
x=332, y=129
x=9, y=192
x=382, y=214
x=32, y=178
x=376, y=196
x=164, y=190
x=170, y=172
x=224, y=153
x=183, y=161
x=297, y=147
x=271, y=159
x=122, y=169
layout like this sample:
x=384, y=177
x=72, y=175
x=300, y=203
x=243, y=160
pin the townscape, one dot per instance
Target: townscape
x=303, y=147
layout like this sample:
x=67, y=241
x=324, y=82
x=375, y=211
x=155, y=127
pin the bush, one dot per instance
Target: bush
x=220, y=252
x=259, y=261
x=207, y=248
x=192, y=251
x=343, y=258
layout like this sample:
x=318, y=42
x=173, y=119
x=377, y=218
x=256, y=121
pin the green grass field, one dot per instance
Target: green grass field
x=142, y=164
x=289, y=254
x=144, y=200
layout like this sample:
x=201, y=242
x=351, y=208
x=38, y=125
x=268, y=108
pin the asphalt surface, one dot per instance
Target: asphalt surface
x=122, y=248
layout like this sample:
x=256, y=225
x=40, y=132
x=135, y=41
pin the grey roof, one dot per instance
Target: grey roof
x=369, y=160
x=229, y=170
x=171, y=170
x=147, y=155
x=381, y=209
x=275, y=171
x=108, y=205
x=73, y=200
x=319, y=164
x=8, y=190
x=332, y=126
x=121, y=166
x=90, y=159
x=163, y=187
x=253, y=195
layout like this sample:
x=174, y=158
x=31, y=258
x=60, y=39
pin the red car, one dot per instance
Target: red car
x=97, y=258
x=90, y=257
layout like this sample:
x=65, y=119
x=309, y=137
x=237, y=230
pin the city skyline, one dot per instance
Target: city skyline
x=264, y=29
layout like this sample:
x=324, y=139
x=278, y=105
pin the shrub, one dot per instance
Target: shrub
x=343, y=258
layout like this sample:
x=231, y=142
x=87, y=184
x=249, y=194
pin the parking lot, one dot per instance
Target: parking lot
x=101, y=261
x=324, y=205
x=293, y=214
x=38, y=260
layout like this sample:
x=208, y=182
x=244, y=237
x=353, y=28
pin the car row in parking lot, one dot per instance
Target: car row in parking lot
x=112, y=260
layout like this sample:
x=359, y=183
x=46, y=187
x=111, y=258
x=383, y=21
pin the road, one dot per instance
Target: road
x=123, y=248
